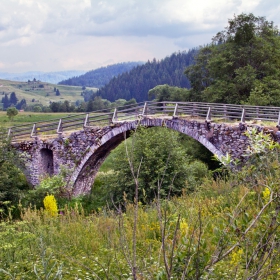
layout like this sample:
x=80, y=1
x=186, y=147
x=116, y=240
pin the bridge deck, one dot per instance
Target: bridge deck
x=229, y=113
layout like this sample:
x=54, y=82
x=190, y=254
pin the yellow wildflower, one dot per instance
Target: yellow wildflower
x=266, y=194
x=50, y=205
x=184, y=226
x=236, y=257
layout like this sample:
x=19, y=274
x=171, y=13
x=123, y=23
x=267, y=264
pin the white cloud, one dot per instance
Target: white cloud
x=2, y=65
x=72, y=34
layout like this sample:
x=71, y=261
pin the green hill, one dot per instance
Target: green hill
x=40, y=92
x=101, y=76
x=138, y=81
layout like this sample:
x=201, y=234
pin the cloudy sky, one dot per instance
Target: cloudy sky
x=57, y=35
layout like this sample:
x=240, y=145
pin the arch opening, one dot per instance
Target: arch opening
x=46, y=162
x=85, y=173
x=88, y=169
x=86, y=176
x=110, y=180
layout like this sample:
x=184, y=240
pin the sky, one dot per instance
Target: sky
x=60, y=35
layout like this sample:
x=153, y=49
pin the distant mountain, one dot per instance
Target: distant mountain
x=137, y=82
x=101, y=76
x=49, y=77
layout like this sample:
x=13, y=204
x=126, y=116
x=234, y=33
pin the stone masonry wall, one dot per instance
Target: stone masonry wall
x=82, y=152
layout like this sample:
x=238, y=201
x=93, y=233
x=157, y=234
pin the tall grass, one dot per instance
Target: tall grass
x=100, y=246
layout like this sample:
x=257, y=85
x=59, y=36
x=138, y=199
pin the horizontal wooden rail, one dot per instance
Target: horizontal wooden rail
x=203, y=110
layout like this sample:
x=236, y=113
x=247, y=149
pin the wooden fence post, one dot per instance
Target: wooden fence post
x=33, y=131
x=175, y=111
x=115, y=115
x=208, y=117
x=278, y=122
x=144, y=112
x=86, y=121
x=225, y=112
x=59, y=128
x=243, y=116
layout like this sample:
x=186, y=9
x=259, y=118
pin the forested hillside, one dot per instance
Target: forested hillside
x=137, y=82
x=101, y=76
x=241, y=65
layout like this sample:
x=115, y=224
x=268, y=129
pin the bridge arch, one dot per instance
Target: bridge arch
x=46, y=162
x=84, y=174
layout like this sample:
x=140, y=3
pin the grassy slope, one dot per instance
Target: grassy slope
x=28, y=117
x=29, y=91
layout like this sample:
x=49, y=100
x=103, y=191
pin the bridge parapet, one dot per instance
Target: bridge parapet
x=83, y=151
x=95, y=134
x=205, y=111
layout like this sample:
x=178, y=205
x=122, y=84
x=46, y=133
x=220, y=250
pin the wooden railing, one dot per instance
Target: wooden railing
x=207, y=111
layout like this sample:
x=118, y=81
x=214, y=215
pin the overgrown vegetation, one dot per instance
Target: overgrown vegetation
x=227, y=229
x=158, y=156
x=13, y=184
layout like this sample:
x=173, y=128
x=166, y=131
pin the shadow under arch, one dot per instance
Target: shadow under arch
x=46, y=161
x=84, y=175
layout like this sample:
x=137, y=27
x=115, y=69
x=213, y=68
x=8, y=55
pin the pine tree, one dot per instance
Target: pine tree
x=5, y=101
x=13, y=99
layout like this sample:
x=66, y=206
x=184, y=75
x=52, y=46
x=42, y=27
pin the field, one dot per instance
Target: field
x=41, y=92
x=29, y=117
x=181, y=243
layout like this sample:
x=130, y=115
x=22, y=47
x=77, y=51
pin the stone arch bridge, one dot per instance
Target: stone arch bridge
x=84, y=141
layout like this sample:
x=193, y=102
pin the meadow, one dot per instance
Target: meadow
x=29, y=117
x=210, y=234
x=228, y=228
x=41, y=92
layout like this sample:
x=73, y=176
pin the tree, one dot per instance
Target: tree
x=242, y=61
x=90, y=106
x=166, y=92
x=88, y=95
x=5, y=101
x=12, y=180
x=12, y=112
x=55, y=106
x=130, y=103
x=82, y=107
x=21, y=105
x=97, y=103
x=37, y=108
x=13, y=99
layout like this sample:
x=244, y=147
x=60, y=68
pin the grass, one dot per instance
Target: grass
x=41, y=95
x=29, y=117
x=99, y=246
